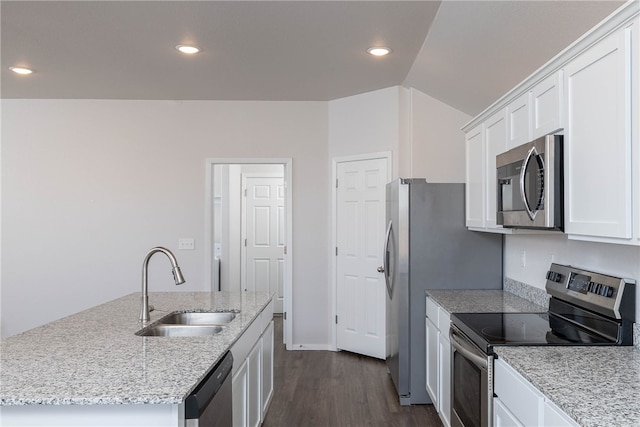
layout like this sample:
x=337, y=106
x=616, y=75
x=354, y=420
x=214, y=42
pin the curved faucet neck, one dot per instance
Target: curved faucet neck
x=177, y=277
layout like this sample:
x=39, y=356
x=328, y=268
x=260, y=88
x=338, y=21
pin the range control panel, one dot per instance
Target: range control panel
x=609, y=295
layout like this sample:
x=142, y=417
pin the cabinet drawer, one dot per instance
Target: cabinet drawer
x=522, y=399
x=432, y=312
x=266, y=316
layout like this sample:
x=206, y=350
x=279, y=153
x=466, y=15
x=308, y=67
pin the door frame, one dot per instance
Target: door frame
x=243, y=220
x=333, y=327
x=287, y=162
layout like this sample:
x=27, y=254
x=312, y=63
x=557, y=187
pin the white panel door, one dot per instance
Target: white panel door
x=360, y=223
x=475, y=187
x=264, y=237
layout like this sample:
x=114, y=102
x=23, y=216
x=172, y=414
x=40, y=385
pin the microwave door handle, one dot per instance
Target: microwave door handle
x=523, y=172
x=385, y=260
x=469, y=354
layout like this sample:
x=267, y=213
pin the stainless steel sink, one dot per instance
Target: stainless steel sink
x=209, y=318
x=191, y=324
x=163, y=330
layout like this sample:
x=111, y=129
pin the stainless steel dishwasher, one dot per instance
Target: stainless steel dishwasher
x=210, y=404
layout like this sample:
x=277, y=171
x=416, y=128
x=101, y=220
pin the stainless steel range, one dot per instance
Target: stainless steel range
x=586, y=308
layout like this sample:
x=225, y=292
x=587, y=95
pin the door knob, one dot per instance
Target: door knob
x=380, y=269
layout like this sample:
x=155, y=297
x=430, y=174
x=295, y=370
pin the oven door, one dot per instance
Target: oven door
x=471, y=383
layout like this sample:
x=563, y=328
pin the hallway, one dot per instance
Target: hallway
x=324, y=388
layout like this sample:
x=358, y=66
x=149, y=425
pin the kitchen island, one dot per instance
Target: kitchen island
x=91, y=369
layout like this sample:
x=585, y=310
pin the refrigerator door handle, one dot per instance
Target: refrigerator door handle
x=385, y=261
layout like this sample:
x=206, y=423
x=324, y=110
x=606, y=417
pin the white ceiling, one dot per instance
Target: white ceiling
x=465, y=53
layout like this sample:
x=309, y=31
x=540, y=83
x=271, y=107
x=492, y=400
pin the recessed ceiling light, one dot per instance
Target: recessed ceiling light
x=379, y=51
x=21, y=70
x=190, y=50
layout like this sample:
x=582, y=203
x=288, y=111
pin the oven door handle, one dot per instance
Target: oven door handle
x=467, y=352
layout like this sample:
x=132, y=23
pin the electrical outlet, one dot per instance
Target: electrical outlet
x=186, y=244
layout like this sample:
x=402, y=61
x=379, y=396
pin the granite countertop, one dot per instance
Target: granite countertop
x=483, y=301
x=94, y=357
x=596, y=386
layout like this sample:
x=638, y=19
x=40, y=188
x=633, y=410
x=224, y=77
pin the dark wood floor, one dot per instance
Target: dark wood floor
x=324, y=388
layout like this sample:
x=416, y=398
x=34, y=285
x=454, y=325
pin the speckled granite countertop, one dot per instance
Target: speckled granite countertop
x=482, y=301
x=596, y=386
x=93, y=357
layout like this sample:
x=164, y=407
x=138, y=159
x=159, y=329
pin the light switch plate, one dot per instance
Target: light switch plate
x=186, y=244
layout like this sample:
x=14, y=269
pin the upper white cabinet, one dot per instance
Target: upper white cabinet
x=475, y=187
x=495, y=141
x=547, y=115
x=598, y=143
x=589, y=93
x=519, y=114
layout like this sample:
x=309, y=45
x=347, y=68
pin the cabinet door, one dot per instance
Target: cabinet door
x=444, y=380
x=267, y=367
x=254, y=402
x=502, y=417
x=554, y=416
x=432, y=362
x=519, y=119
x=239, y=387
x=495, y=143
x=546, y=106
x=474, y=189
x=598, y=139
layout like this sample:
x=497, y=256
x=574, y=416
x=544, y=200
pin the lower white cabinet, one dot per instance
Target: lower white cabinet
x=438, y=360
x=252, y=382
x=518, y=403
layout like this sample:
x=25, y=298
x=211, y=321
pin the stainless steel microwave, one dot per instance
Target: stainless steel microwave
x=530, y=185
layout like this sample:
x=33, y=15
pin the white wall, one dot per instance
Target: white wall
x=88, y=186
x=540, y=250
x=437, y=147
x=366, y=123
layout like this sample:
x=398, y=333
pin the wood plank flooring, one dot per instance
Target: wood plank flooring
x=335, y=389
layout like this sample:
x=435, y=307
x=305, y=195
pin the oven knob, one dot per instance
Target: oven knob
x=609, y=292
x=591, y=287
x=598, y=288
x=553, y=276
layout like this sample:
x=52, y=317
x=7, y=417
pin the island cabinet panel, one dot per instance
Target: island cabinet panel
x=598, y=144
x=253, y=371
x=93, y=415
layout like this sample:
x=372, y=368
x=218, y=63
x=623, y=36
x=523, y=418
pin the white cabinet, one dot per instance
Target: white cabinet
x=547, y=115
x=432, y=362
x=444, y=373
x=239, y=387
x=484, y=143
x=252, y=382
x=495, y=140
x=599, y=202
x=438, y=360
x=519, y=403
x=519, y=116
x=475, y=180
x=267, y=366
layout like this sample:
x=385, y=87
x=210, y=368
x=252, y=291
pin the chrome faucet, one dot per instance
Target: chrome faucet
x=177, y=276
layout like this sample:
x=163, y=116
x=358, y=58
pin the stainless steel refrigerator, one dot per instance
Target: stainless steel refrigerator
x=427, y=246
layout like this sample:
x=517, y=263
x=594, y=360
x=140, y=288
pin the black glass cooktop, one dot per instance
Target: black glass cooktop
x=490, y=329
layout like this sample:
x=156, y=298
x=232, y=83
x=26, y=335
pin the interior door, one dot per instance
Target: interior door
x=360, y=233
x=264, y=236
